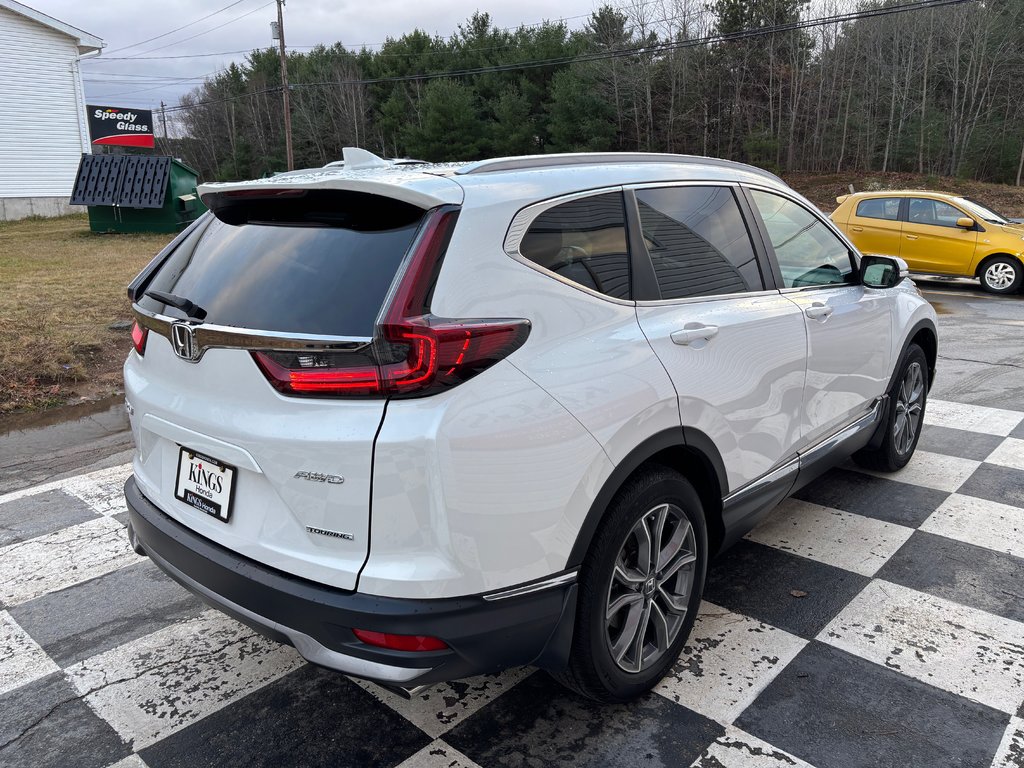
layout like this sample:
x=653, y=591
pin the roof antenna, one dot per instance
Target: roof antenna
x=357, y=159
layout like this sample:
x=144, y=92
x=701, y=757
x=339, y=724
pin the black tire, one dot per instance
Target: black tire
x=593, y=671
x=1001, y=275
x=897, y=445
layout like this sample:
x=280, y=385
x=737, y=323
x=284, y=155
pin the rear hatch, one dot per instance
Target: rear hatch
x=281, y=286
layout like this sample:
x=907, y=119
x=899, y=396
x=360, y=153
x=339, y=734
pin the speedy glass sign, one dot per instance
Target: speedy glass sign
x=120, y=126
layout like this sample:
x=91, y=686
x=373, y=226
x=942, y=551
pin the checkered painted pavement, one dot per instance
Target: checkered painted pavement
x=871, y=621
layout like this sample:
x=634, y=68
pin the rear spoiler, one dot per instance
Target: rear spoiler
x=402, y=183
x=841, y=199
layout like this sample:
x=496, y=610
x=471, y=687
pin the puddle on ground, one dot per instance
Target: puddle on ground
x=940, y=308
x=65, y=415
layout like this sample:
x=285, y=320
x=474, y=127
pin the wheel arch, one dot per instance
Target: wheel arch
x=686, y=450
x=924, y=335
x=984, y=261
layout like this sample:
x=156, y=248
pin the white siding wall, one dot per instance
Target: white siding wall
x=41, y=139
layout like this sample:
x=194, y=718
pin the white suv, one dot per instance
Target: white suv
x=432, y=421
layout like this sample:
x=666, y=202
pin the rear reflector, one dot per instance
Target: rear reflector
x=139, y=336
x=400, y=642
x=413, y=353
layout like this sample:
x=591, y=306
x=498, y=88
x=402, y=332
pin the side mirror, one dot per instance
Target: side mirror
x=882, y=271
x=966, y=222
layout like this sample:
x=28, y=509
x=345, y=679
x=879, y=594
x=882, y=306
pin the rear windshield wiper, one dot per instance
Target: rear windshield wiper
x=192, y=310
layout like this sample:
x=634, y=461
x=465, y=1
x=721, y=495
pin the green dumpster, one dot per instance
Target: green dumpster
x=137, y=193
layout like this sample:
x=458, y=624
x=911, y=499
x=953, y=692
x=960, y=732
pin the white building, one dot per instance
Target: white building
x=43, y=129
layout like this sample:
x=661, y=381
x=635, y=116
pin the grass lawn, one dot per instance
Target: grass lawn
x=61, y=286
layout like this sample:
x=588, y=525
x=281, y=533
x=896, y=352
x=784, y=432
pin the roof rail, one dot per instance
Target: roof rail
x=527, y=162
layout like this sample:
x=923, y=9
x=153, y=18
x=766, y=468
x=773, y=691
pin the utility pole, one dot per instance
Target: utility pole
x=163, y=119
x=284, y=87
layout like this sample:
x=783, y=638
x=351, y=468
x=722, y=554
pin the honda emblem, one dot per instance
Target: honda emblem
x=183, y=341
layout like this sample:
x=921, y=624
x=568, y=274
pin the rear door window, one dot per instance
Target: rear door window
x=697, y=241
x=887, y=208
x=323, y=268
x=583, y=240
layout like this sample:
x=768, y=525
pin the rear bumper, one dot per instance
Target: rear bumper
x=483, y=635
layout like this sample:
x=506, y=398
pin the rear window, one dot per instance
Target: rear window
x=319, y=266
x=583, y=240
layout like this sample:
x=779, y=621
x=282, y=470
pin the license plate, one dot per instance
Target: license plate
x=205, y=484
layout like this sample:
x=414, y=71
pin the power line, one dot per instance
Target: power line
x=655, y=49
x=180, y=56
x=178, y=29
x=205, y=32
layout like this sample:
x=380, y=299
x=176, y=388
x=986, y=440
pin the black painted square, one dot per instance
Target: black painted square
x=836, y=710
x=877, y=497
x=995, y=483
x=958, y=442
x=758, y=581
x=540, y=723
x=42, y=513
x=1018, y=432
x=45, y=724
x=110, y=610
x=311, y=717
x=973, y=576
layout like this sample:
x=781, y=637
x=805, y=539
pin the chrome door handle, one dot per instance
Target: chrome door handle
x=687, y=336
x=911, y=237
x=818, y=311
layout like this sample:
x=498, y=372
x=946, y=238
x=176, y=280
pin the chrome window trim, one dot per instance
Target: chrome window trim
x=706, y=297
x=683, y=183
x=525, y=589
x=213, y=336
x=525, y=217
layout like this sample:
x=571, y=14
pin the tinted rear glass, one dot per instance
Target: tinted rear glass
x=583, y=240
x=299, y=276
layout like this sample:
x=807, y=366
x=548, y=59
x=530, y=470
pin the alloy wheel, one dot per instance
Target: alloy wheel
x=909, y=407
x=1000, y=275
x=650, y=589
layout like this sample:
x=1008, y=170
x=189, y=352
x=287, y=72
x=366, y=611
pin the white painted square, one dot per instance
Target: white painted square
x=959, y=649
x=980, y=522
x=438, y=754
x=1010, y=453
x=852, y=542
x=21, y=658
x=727, y=661
x=57, y=560
x=132, y=761
x=441, y=707
x=975, y=418
x=738, y=749
x=102, y=490
x=155, y=686
x=929, y=470
x=1011, y=749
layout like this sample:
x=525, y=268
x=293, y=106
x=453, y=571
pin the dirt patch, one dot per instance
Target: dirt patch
x=823, y=189
x=61, y=287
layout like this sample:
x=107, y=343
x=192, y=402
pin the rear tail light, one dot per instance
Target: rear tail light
x=413, y=353
x=400, y=642
x=139, y=336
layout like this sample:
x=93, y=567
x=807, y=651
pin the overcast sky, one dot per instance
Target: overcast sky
x=143, y=80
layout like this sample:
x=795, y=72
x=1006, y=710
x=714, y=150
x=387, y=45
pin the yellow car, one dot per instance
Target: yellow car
x=936, y=234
